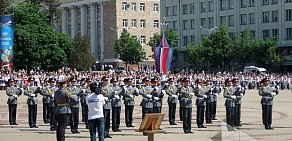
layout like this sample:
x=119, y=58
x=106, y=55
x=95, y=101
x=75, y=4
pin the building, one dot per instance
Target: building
x=265, y=18
x=104, y=20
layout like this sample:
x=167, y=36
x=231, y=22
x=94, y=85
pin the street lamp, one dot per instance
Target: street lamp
x=209, y=30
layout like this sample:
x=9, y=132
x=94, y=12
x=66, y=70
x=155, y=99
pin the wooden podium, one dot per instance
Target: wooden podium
x=151, y=124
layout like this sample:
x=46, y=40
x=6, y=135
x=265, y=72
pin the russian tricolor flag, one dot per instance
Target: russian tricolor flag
x=163, y=56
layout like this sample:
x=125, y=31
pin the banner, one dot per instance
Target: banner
x=163, y=56
x=6, y=41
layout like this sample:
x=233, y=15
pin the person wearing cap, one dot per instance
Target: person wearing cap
x=179, y=86
x=147, y=93
x=116, y=104
x=216, y=90
x=129, y=93
x=13, y=93
x=157, y=95
x=46, y=103
x=229, y=104
x=171, y=91
x=50, y=91
x=83, y=94
x=267, y=93
x=75, y=93
x=238, y=91
x=200, y=92
x=187, y=94
x=209, y=100
x=32, y=92
x=62, y=100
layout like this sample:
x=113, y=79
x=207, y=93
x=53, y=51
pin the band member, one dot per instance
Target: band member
x=157, y=96
x=129, y=92
x=84, y=106
x=147, y=93
x=229, y=104
x=116, y=104
x=50, y=92
x=216, y=91
x=75, y=93
x=179, y=86
x=186, y=93
x=106, y=92
x=267, y=93
x=200, y=92
x=209, y=101
x=32, y=92
x=238, y=91
x=171, y=91
x=13, y=93
x=46, y=104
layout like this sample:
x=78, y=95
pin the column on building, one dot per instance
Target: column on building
x=83, y=21
x=101, y=32
x=74, y=28
x=93, y=35
x=65, y=20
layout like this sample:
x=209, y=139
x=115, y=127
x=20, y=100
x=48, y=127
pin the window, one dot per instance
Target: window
x=288, y=1
x=289, y=33
x=243, y=19
x=265, y=2
x=142, y=40
x=156, y=23
x=185, y=24
x=155, y=7
x=231, y=20
x=243, y=3
x=266, y=34
x=222, y=19
x=185, y=40
x=193, y=38
x=252, y=33
x=275, y=16
x=174, y=25
x=174, y=9
x=211, y=22
x=167, y=11
x=203, y=7
x=185, y=9
x=251, y=3
x=252, y=18
x=142, y=6
x=289, y=15
x=222, y=4
x=266, y=17
x=134, y=23
x=142, y=23
x=203, y=22
x=192, y=23
x=230, y=4
x=124, y=6
x=133, y=6
x=275, y=32
x=210, y=6
x=274, y=1
x=192, y=8
x=125, y=23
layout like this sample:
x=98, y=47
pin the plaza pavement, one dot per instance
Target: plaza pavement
x=251, y=130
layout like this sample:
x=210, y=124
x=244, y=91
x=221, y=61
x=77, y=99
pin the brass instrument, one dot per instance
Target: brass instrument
x=229, y=91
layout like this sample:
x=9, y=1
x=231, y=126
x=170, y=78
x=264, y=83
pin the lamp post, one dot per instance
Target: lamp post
x=209, y=30
x=164, y=24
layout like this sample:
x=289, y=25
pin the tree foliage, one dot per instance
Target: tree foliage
x=36, y=42
x=4, y=4
x=129, y=49
x=81, y=59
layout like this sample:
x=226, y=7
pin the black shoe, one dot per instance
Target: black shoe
x=87, y=126
x=202, y=126
x=214, y=118
x=83, y=120
x=231, y=130
x=209, y=122
x=52, y=129
x=14, y=123
x=271, y=128
x=145, y=134
x=115, y=130
x=118, y=130
x=105, y=136
x=173, y=124
x=35, y=126
x=190, y=132
x=30, y=126
x=186, y=132
x=77, y=132
x=108, y=136
x=132, y=125
x=73, y=131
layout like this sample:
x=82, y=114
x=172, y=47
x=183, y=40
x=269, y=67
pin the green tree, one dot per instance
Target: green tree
x=36, y=42
x=4, y=4
x=197, y=55
x=129, y=49
x=81, y=59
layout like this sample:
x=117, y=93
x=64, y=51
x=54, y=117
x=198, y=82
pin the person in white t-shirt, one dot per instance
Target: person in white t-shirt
x=95, y=102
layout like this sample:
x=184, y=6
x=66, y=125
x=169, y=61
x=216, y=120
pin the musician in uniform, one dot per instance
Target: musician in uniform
x=75, y=93
x=46, y=103
x=179, y=86
x=147, y=93
x=50, y=92
x=267, y=93
x=200, y=92
x=209, y=100
x=116, y=104
x=216, y=91
x=171, y=91
x=32, y=92
x=13, y=93
x=62, y=100
x=238, y=91
x=187, y=94
x=84, y=107
x=229, y=104
x=157, y=96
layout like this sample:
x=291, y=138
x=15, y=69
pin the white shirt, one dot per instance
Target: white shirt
x=95, y=104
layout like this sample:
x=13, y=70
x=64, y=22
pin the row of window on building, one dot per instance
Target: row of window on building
x=125, y=23
x=142, y=6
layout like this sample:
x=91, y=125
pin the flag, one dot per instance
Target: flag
x=163, y=56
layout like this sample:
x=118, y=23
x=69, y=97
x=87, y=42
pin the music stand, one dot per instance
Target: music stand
x=151, y=124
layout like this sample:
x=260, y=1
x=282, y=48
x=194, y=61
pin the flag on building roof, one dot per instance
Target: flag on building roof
x=163, y=56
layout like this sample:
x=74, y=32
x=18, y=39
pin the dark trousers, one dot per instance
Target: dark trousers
x=237, y=115
x=230, y=117
x=146, y=111
x=84, y=110
x=107, y=123
x=12, y=113
x=267, y=115
x=214, y=110
x=187, y=119
x=171, y=112
x=99, y=124
x=129, y=115
x=46, y=112
x=74, y=119
x=62, y=124
x=53, y=118
x=209, y=109
x=157, y=109
x=32, y=114
x=180, y=112
x=200, y=115
x=116, y=116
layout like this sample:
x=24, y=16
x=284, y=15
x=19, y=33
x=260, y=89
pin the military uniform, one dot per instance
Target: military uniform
x=216, y=91
x=116, y=104
x=46, y=105
x=50, y=92
x=13, y=93
x=157, y=95
x=171, y=91
x=75, y=93
x=237, y=90
x=200, y=93
x=229, y=104
x=209, y=102
x=147, y=91
x=84, y=107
